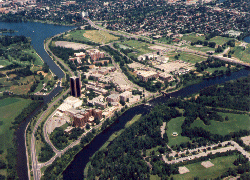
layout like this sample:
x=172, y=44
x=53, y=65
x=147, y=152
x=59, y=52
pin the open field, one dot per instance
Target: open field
x=241, y=54
x=236, y=122
x=211, y=70
x=221, y=165
x=76, y=35
x=139, y=48
x=220, y=40
x=174, y=125
x=9, y=109
x=191, y=58
x=193, y=38
x=4, y=62
x=32, y=52
x=99, y=36
x=202, y=49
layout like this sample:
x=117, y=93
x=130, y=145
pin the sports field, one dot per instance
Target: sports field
x=9, y=109
x=236, y=122
x=221, y=165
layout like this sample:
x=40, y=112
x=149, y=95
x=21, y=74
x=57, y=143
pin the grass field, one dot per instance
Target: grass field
x=202, y=49
x=91, y=35
x=241, y=54
x=4, y=62
x=76, y=35
x=9, y=109
x=236, y=122
x=139, y=48
x=193, y=38
x=221, y=165
x=33, y=53
x=99, y=36
x=211, y=70
x=191, y=58
x=220, y=40
x=174, y=125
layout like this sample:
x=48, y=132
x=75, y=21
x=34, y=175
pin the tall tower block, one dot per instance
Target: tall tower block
x=75, y=86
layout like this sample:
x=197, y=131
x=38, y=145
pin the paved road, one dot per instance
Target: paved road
x=234, y=146
x=35, y=165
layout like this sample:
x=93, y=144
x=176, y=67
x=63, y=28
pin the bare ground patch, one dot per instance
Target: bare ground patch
x=207, y=164
x=183, y=170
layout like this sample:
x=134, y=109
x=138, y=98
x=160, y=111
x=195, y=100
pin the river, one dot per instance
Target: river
x=247, y=39
x=75, y=170
x=38, y=32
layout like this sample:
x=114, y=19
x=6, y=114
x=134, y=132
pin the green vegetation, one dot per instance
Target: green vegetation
x=219, y=40
x=99, y=36
x=191, y=58
x=135, y=118
x=221, y=165
x=76, y=35
x=174, y=125
x=138, y=47
x=90, y=35
x=235, y=123
x=242, y=53
x=10, y=108
x=193, y=38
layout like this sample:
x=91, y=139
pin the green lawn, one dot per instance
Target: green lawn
x=139, y=48
x=221, y=165
x=211, y=70
x=236, y=122
x=33, y=53
x=241, y=54
x=4, y=62
x=202, y=49
x=191, y=58
x=99, y=36
x=193, y=38
x=174, y=125
x=9, y=109
x=76, y=35
x=220, y=40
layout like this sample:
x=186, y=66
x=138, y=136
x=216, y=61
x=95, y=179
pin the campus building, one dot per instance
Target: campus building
x=75, y=86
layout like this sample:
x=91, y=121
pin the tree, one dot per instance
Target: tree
x=87, y=126
x=97, y=121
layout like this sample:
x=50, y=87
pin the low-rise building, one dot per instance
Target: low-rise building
x=113, y=98
x=146, y=75
x=73, y=101
x=165, y=77
x=125, y=95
